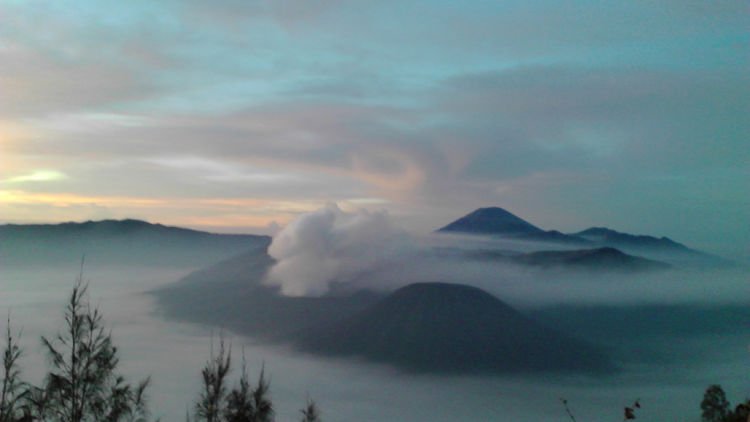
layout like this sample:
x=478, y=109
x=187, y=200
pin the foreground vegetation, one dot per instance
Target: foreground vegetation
x=716, y=408
x=83, y=384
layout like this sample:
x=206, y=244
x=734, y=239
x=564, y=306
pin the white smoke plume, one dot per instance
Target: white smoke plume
x=332, y=246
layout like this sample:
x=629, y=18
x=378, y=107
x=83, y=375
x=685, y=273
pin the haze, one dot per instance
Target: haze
x=666, y=367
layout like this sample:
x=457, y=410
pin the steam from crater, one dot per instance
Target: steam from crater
x=332, y=246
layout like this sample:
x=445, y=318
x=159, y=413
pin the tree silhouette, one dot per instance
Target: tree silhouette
x=741, y=412
x=14, y=391
x=83, y=384
x=310, y=412
x=262, y=404
x=714, y=407
x=242, y=403
x=239, y=401
x=210, y=405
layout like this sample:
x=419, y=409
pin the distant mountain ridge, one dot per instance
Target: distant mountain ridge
x=604, y=259
x=614, y=238
x=100, y=227
x=498, y=221
x=495, y=221
x=600, y=258
x=119, y=241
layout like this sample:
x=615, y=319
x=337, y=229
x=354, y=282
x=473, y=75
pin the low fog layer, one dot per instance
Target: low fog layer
x=172, y=353
x=675, y=332
x=534, y=287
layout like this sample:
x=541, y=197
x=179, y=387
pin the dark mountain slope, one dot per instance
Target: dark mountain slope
x=609, y=259
x=605, y=236
x=662, y=248
x=597, y=259
x=439, y=327
x=430, y=327
x=492, y=220
x=231, y=294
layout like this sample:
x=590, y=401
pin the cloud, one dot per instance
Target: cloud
x=34, y=83
x=330, y=246
x=546, y=106
x=37, y=176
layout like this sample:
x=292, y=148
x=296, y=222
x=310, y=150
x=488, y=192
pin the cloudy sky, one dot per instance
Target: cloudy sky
x=239, y=115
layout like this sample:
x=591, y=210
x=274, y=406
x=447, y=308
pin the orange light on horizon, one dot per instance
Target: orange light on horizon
x=69, y=199
x=26, y=207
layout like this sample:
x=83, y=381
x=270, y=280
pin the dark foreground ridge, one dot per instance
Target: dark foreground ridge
x=452, y=328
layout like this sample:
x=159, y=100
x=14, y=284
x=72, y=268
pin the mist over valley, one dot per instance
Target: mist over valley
x=378, y=211
x=341, y=295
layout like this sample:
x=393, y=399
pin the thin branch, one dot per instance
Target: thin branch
x=567, y=410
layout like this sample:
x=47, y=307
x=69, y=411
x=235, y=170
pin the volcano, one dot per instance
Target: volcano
x=452, y=328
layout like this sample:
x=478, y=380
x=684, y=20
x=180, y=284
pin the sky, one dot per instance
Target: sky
x=240, y=115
